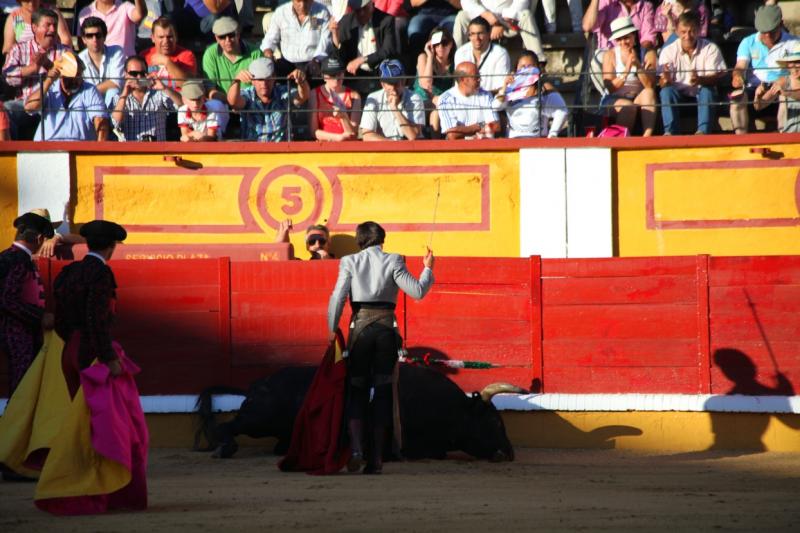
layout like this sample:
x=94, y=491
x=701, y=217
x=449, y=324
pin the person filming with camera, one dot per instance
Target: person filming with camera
x=140, y=110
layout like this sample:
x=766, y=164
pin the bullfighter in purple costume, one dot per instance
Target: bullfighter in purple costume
x=22, y=308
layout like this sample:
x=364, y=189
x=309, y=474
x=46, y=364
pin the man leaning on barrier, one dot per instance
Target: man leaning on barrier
x=757, y=64
x=71, y=108
x=264, y=106
x=689, y=70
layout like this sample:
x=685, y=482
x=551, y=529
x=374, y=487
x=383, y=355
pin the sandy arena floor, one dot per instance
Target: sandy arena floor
x=546, y=490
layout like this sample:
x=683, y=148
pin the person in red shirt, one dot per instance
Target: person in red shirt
x=173, y=63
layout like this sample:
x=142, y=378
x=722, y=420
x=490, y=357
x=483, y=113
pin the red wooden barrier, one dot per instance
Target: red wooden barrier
x=643, y=325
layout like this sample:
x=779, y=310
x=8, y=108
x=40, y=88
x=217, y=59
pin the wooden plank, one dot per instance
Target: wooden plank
x=763, y=297
x=703, y=331
x=286, y=329
x=448, y=329
x=284, y=303
x=619, y=352
x=498, y=353
x=617, y=380
x=735, y=327
x=763, y=383
x=617, y=267
x=489, y=271
x=619, y=290
x=166, y=273
x=470, y=305
x=280, y=275
x=175, y=299
x=769, y=270
x=620, y=321
x=537, y=349
x=278, y=355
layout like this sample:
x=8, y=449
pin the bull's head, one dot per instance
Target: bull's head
x=486, y=431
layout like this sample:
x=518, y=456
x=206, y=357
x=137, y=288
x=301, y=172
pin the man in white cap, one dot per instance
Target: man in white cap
x=756, y=64
x=198, y=119
x=263, y=106
x=299, y=29
x=223, y=61
x=73, y=109
x=787, y=89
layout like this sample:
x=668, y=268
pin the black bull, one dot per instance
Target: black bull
x=436, y=416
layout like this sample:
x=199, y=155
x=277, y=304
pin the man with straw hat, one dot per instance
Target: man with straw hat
x=22, y=310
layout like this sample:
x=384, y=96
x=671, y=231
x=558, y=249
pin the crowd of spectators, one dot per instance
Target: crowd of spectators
x=384, y=69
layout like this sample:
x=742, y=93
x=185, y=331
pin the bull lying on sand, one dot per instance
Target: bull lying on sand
x=436, y=416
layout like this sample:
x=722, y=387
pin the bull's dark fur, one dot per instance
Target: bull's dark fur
x=436, y=415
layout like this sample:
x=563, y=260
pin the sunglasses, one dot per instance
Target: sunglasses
x=314, y=239
x=227, y=36
x=137, y=73
x=96, y=35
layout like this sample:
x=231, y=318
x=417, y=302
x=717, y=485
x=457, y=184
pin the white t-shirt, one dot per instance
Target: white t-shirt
x=494, y=64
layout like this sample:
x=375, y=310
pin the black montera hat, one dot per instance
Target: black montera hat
x=34, y=222
x=103, y=229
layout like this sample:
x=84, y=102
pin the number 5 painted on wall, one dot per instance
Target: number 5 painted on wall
x=295, y=202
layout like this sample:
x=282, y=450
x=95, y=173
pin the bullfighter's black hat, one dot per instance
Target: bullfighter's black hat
x=104, y=229
x=34, y=222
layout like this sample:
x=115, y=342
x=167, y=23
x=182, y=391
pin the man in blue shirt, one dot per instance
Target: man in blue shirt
x=264, y=106
x=72, y=109
x=756, y=64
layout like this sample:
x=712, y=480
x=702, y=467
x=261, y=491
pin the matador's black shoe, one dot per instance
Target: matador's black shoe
x=355, y=462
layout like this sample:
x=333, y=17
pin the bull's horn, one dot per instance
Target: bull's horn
x=496, y=388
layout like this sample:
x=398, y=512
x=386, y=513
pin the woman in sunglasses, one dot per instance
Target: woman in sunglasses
x=317, y=239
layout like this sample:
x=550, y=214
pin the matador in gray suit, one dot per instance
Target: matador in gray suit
x=371, y=279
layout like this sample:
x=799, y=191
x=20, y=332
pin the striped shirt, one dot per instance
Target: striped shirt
x=265, y=122
x=19, y=57
x=297, y=42
x=148, y=117
x=455, y=109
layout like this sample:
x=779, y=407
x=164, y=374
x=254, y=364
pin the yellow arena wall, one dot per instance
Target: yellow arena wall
x=735, y=200
x=469, y=201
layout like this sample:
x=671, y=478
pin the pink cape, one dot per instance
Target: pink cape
x=118, y=434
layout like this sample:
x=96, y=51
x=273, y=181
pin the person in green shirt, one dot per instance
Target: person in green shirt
x=223, y=61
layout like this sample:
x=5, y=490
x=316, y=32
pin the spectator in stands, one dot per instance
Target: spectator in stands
x=5, y=126
x=466, y=110
x=197, y=122
x=140, y=110
x=392, y=112
x=335, y=109
x=397, y=9
x=665, y=19
x=73, y=109
x=630, y=88
x=223, y=61
x=18, y=27
x=756, y=64
x=690, y=70
x=600, y=13
x=427, y=15
x=171, y=62
x=263, y=106
x=144, y=35
x=300, y=30
x=197, y=18
x=506, y=18
x=529, y=113
x=105, y=65
x=787, y=88
x=121, y=18
x=492, y=59
x=24, y=65
x=575, y=12
x=318, y=239
x=435, y=72
x=365, y=37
